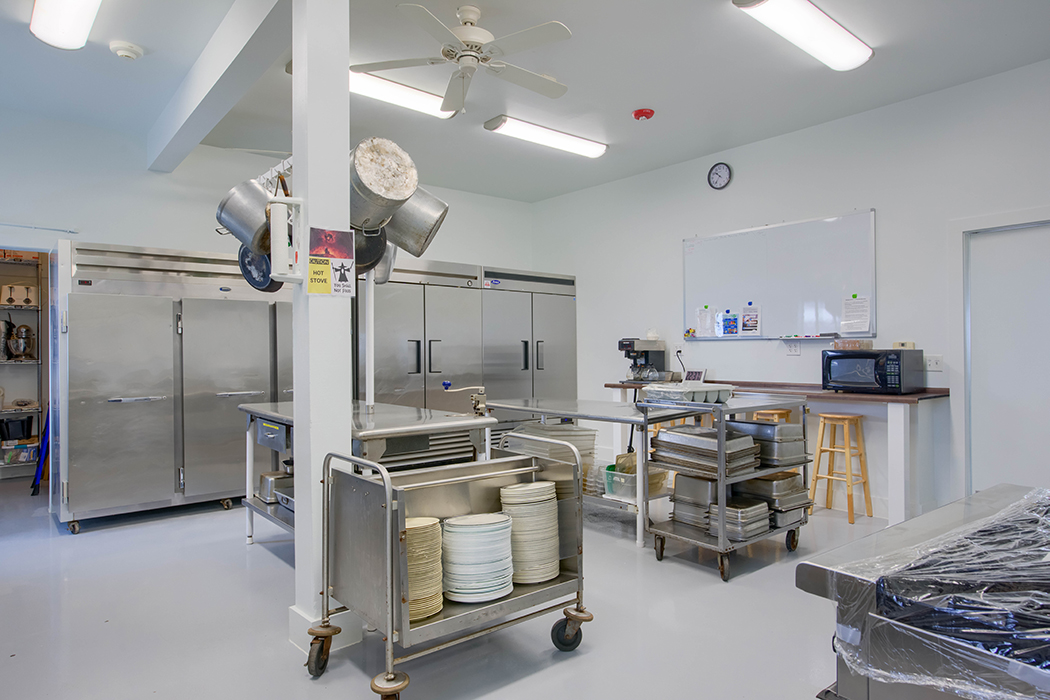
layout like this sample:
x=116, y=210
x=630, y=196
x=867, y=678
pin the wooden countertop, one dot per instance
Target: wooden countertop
x=812, y=392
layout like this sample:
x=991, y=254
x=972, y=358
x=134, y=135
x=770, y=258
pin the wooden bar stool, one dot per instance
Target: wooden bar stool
x=850, y=424
x=774, y=415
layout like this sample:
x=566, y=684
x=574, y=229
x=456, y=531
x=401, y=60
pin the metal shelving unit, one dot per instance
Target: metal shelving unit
x=17, y=469
x=740, y=404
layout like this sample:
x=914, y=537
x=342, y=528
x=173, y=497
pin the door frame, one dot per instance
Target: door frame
x=960, y=234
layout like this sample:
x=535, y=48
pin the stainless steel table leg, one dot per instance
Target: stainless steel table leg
x=249, y=482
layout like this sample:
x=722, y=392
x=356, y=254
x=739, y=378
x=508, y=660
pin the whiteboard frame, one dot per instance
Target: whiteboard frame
x=873, y=328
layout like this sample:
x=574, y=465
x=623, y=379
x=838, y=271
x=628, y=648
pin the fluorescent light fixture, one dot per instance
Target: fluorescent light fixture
x=64, y=24
x=805, y=26
x=397, y=94
x=509, y=126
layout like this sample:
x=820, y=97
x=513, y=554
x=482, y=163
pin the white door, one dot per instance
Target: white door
x=1009, y=346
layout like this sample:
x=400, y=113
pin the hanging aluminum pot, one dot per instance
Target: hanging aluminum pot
x=413, y=226
x=382, y=178
x=243, y=213
x=369, y=247
x=386, y=263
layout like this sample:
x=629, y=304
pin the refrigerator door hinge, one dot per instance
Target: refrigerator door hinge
x=64, y=322
x=65, y=492
x=182, y=478
x=178, y=323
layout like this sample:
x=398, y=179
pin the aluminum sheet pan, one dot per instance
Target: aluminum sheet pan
x=696, y=437
x=781, y=451
x=738, y=534
x=706, y=456
x=780, y=519
x=707, y=469
x=690, y=514
x=772, y=485
x=742, y=510
x=693, y=489
x=764, y=430
x=788, y=463
x=783, y=503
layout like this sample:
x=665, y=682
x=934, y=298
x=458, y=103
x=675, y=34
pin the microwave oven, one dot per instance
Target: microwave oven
x=874, y=371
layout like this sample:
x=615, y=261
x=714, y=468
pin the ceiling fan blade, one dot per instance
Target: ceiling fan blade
x=526, y=39
x=456, y=93
x=388, y=65
x=430, y=24
x=548, y=87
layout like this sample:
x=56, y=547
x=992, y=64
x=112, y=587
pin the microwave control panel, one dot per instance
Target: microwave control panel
x=893, y=371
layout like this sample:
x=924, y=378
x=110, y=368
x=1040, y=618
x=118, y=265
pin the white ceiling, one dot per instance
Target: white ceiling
x=716, y=78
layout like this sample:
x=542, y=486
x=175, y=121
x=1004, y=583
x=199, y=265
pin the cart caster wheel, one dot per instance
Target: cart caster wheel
x=226, y=504
x=723, y=566
x=559, y=639
x=74, y=527
x=792, y=539
x=390, y=688
x=659, y=544
x=317, y=661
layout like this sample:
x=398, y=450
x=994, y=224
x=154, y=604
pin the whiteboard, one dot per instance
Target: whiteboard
x=798, y=275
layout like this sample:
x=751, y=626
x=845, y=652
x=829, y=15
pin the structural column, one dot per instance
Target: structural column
x=898, y=460
x=321, y=323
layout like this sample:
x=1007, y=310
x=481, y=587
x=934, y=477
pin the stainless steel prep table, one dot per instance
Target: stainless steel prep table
x=829, y=576
x=390, y=430
x=608, y=412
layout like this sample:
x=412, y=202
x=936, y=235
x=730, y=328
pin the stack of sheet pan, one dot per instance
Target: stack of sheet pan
x=692, y=497
x=745, y=518
x=780, y=444
x=784, y=492
x=694, y=450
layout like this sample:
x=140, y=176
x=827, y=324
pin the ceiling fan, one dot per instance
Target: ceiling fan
x=470, y=47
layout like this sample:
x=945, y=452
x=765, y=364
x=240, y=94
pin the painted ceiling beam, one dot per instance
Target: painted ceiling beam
x=249, y=39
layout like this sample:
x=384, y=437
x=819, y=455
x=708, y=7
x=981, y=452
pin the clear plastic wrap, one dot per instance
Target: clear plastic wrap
x=967, y=613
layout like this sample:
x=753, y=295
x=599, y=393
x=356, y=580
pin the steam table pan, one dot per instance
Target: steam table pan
x=772, y=485
x=764, y=430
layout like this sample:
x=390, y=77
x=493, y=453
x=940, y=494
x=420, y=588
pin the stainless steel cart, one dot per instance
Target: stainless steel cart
x=364, y=559
x=690, y=534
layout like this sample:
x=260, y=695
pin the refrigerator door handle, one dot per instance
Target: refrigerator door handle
x=135, y=399
x=419, y=357
x=228, y=394
x=539, y=355
x=524, y=354
x=430, y=361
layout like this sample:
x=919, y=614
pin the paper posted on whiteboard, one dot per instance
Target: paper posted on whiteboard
x=856, y=315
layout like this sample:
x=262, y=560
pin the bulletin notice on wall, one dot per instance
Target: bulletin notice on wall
x=331, y=262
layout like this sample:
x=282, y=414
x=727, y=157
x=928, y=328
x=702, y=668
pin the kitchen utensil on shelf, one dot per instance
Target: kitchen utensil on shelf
x=21, y=343
x=28, y=300
x=10, y=294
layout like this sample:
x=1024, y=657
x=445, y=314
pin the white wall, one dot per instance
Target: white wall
x=970, y=150
x=72, y=176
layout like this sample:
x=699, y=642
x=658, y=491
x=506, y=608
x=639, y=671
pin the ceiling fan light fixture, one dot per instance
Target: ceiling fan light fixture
x=509, y=126
x=64, y=24
x=393, y=93
x=807, y=27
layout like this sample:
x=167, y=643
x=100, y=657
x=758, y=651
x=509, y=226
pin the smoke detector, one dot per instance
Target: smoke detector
x=126, y=50
x=643, y=114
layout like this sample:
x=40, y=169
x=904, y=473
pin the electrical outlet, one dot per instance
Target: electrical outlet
x=794, y=347
x=935, y=363
x=678, y=347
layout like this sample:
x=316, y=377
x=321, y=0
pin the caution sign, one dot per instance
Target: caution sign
x=320, y=281
x=332, y=262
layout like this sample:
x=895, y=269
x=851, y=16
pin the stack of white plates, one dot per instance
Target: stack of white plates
x=533, y=507
x=423, y=546
x=565, y=488
x=476, y=557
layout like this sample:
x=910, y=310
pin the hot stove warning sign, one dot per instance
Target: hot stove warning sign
x=331, y=262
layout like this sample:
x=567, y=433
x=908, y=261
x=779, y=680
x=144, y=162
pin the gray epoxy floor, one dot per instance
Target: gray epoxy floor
x=172, y=604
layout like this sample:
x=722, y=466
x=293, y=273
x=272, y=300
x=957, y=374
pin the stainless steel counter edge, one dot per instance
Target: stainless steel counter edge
x=815, y=576
x=437, y=422
x=280, y=412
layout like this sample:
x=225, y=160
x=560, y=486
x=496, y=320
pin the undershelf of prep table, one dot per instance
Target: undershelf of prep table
x=274, y=512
